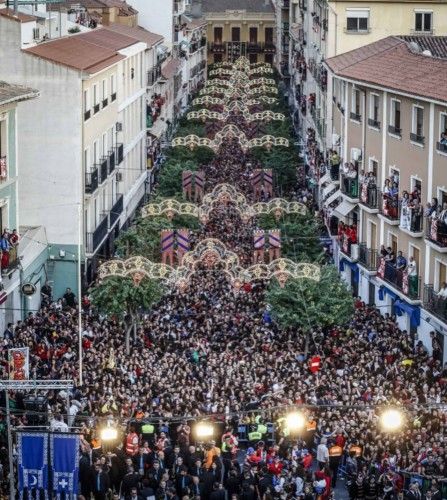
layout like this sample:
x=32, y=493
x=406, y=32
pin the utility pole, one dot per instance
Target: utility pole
x=23, y=385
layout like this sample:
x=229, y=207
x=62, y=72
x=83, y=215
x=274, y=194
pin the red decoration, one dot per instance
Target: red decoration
x=315, y=364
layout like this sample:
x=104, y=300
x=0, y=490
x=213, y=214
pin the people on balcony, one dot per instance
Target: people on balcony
x=390, y=201
x=347, y=235
x=368, y=193
x=413, y=280
x=443, y=139
x=405, y=211
x=437, y=225
x=335, y=164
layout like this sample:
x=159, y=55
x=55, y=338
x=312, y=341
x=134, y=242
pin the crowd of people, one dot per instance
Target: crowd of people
x=214, y=352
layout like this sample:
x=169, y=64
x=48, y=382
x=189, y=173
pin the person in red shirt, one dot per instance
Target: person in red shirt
x=275, y=467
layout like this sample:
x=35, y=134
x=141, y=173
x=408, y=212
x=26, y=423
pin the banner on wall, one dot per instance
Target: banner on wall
x=32, y=462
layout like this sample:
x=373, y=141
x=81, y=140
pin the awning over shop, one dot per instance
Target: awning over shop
x=414, y=312
x=343, y=210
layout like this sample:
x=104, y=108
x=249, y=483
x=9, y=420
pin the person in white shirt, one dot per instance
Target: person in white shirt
x=57, y=424
x=442, y=292
x=322, y=453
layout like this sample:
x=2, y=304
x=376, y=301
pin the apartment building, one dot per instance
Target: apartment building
x=238, y=29
x=24, y=261
x=87, y=136
x=283, y=36
x=321, y=29
x=389, y=214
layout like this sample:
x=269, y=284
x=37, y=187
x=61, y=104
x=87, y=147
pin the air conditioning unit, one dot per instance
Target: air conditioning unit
x=119, y=127
x=119, y=177
x=356, y=154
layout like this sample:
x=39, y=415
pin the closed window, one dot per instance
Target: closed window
x=357, y=20
x=423, y=22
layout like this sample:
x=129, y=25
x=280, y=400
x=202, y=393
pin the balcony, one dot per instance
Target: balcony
x=217, y=48
x=95, y=239
x=418, y=139
x=412, y=221
x=368, y=258
x=374, y=123
x=269, y=48
x=435, y=304
x=436, y=234
x=153, y=75
x=11, y=262
x=113, y=97
x=119, y=154
x=203, y=41
x=194, y=47
x=103, y=169
x=254, y=48
x=105, y=102
x=111, y=161
x=355, y=116
x=91, y=181
x=285, y=4
x=389, y=207
x=369, y=198
x=349, y=249
x=96, y=108
x=3, y=169
x=399, y=279
x=441, y=147
x=116, y=210
x=87, y=115
x=350, y=187
x=395, y=131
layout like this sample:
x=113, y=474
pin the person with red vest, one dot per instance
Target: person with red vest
x=132, y=443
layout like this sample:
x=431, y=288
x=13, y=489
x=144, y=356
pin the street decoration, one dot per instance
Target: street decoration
x=205, y=114
x=245, y=99
x=208, y=254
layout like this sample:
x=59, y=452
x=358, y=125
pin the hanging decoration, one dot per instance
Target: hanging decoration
x=261, y=70
x=234, y=92
x=209, y=253
x=223, y=194
x=208, y=101
x=267, y=116
x=229, y=132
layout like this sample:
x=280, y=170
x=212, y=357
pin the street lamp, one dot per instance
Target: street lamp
x=391, y=420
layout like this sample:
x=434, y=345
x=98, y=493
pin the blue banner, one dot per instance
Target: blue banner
x=32, y=463
x=64, y=450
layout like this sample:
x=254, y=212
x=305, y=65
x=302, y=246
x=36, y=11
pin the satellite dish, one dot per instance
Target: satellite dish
x=414, y=47
x=426, y=53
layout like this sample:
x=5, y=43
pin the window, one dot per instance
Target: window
x=269, y=36
x=86, y=105
x=357, y=20
x=86, y=159
x=253, y=35
x=36, y=33
x=95, y=98
x=441, y=274
x=105, y=99
x=373, y=167
x=417, y=128
x=218, y=35
x=355, y=108
x=235, y=34
x=112, y=87
x=441, y=143
x=374, y=111
x=394, y=127
x=253, y=58
x=423, y=22
x=96, y=152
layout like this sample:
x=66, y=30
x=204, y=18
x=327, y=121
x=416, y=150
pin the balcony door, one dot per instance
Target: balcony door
x=269, y=36
x=416, y=254
x=218, y=35
x=253, y=35
x=235, y=34
x=372, y=236
x=393, y=243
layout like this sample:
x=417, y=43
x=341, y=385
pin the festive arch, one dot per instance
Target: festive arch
x=208, y=253
x=204, y=114
x=226, y=101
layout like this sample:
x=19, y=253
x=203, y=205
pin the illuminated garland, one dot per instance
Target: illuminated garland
x=230, y=132
x=235, y=92
x=209, y=253
x=204, y=114
x=229, y=71
x=208, y=100
x=223, y=194
x=241, y=83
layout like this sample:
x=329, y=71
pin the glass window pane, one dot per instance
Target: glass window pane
x=352, y=24
x=418, y=22
x=363, y=23
x=427, y=22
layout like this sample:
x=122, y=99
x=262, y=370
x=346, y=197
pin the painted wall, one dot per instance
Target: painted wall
x=162, y=22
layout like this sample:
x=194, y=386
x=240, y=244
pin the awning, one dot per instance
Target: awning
x=383, y=290
x=414, y=312
x=328, y=189
x=352, y=265
x=332, y=198
x=343, y=210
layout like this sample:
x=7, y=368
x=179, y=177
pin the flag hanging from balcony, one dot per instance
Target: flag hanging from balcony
x=64, y=463
x=32, y=463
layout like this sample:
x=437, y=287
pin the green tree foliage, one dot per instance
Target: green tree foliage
x=299, y=236
x=305, y=304
x=143, y=238
x=170, y=182
x=120, y=297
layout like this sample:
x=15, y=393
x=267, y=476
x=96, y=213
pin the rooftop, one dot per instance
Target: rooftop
x=125, y=8
x=137, y=33
x=20, y=17
x=393, y=63
x=90, y=52
x=15, y=93
x=437, y=45
x=247, y=5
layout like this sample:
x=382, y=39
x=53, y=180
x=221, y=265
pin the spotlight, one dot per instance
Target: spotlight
x=295, y=421
x=109, y=434
x=203, y=430
x=391, y=420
